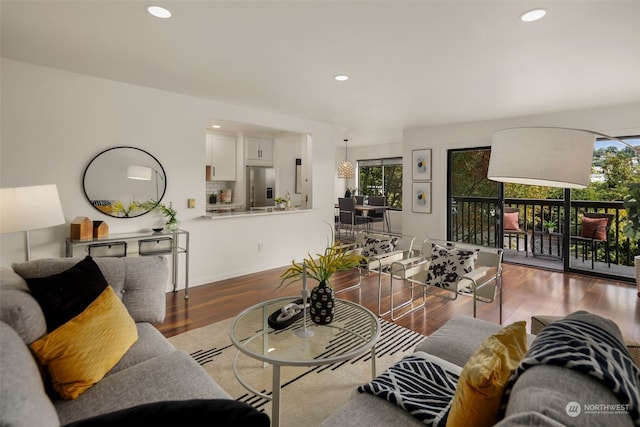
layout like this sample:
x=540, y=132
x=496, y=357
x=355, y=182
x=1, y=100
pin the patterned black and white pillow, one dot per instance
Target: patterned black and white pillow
x=373, y=247
x=421, y=387
x=448, y=265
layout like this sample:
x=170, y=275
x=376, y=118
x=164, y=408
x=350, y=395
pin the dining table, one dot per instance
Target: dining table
x=365, y=209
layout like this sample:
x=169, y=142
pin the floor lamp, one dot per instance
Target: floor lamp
x=29, y=208
x=143, y=173
x=547, y=156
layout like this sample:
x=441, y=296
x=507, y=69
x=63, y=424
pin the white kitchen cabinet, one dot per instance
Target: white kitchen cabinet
x=259, y=151
x=221, y=158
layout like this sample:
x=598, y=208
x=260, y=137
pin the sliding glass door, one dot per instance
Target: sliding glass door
x=530, y=227
x=597, y=243
x=473, y=200
x=553, y=228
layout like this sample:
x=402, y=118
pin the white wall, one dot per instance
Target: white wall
x=614, y=120
x=285, y=152
x=54, y=122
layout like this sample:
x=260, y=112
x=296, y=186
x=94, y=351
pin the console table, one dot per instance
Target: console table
x=179, y=244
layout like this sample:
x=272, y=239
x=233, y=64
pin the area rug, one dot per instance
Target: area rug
x=309, y=394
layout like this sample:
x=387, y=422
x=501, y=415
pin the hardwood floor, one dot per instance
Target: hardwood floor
x=527, y=291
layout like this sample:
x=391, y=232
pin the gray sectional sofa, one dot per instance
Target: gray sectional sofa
x=539, y=397
x=151, y=371
x=156, y=377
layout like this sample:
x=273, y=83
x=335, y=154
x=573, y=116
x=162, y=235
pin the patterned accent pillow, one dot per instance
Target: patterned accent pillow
x=373, y=247
x=421, y=387
x=105, y=206
x=426, y=251
x=448, y=265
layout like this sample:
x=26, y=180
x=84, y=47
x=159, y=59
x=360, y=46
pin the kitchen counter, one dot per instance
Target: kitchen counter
x=224, y=207
x=253, y=212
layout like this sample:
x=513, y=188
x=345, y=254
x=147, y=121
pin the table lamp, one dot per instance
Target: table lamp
x=29, y=208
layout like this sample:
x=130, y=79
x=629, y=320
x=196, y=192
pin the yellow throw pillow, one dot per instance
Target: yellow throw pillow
x=483, y=378
x=79, y=353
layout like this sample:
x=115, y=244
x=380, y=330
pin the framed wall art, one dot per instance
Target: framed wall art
x=421, y=165
x=421, y=197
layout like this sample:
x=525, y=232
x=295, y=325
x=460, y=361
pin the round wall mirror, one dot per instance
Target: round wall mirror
x=124, y=182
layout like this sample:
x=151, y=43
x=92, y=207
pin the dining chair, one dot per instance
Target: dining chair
x=347, y=213
x=360, y=201
x=378, y=215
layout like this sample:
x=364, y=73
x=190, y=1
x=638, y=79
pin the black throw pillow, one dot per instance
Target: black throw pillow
x=64, y=295
x=183, y=413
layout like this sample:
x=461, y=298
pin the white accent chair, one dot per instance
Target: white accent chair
x=379, y=257
x=426, y=275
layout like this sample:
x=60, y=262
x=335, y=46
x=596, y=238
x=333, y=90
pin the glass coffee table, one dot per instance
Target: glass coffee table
x=356, y=328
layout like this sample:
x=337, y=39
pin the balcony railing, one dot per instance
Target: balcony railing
x=474, y=220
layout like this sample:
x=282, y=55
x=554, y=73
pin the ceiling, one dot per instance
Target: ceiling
x=411, y=63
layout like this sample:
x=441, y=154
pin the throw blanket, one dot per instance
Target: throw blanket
x=585, y=347
x=418, y=386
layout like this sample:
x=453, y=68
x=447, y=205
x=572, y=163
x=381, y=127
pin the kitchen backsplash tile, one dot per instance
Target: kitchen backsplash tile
x=216, y=186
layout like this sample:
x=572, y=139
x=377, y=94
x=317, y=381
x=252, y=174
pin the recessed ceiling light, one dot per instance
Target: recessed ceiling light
x=215, y=126
x=159, y=12
x=533, y=15
x=341, y=77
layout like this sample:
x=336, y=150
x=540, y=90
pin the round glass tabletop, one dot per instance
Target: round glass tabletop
x=353, y=331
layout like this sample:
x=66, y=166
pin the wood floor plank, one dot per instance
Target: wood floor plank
x=527, y=291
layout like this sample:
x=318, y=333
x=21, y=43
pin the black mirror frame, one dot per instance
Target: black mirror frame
x=142, y=212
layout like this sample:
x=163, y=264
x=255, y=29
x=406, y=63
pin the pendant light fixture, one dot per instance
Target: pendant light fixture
x=345, y=169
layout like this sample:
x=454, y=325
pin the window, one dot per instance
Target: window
x=381, y=177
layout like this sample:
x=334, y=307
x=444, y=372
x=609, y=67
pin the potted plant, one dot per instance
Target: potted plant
x=170, y=214
x=632, y=228
x=280, y=202
x=550, y=225
x=321, y=267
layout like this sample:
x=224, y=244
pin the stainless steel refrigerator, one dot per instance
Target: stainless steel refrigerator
x=261, y=186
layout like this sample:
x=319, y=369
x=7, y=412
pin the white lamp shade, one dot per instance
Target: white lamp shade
x=551, y=157
x=141, y=173
x=29, y=208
